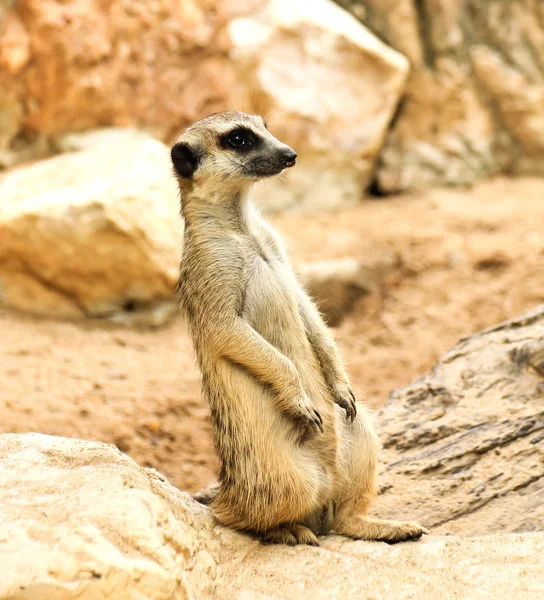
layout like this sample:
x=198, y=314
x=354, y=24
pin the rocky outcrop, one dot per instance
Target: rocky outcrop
x=464, y=445
x=474, y=104
x=332, y=88
x=331, y=85
x=94, y=233
x=80, y=520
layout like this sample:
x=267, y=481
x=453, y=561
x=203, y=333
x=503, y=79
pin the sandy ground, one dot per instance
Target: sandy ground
x=466, y=259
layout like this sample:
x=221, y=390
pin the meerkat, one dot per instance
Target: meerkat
x=298, y=454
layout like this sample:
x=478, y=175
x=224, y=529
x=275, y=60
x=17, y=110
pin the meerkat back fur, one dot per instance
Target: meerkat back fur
x=298, y=454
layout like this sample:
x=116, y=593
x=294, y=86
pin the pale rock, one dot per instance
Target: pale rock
x=94, y=138
x=332, y=88
x=94, y=233
x=81, y=520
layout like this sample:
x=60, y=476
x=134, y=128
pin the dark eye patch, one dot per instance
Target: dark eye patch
x=240, y=140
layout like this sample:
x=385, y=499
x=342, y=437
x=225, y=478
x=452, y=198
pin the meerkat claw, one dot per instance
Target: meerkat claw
x=342, y=403
x=317, y=421
x=349, y=406
x=353, y=406
x=321, y=426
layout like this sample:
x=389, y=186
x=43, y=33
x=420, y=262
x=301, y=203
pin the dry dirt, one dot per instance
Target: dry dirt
x=466, y=259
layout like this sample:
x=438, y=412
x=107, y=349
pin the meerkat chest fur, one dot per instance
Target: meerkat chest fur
x=267, y=294
x=270, y=302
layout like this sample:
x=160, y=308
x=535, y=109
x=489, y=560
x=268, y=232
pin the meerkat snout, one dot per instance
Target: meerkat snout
x=289, y=157
x=232, y=147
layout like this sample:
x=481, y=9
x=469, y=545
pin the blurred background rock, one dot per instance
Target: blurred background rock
x=444, y=92
x=330, y=85
x=474, y=103
x=397, y=96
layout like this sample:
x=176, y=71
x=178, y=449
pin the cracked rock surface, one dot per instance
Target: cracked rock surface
x=92, y=233
x=464, y=445
x=81, y=520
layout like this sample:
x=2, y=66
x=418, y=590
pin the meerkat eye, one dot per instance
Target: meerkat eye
x=240, y=140
x=237, y=139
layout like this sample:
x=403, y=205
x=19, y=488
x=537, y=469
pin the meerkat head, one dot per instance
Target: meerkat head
x=229, y=147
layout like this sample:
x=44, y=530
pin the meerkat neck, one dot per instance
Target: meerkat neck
x=231, y=205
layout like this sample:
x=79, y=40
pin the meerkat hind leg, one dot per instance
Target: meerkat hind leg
x=358, y=460
x=290, y=535
x=362, y=527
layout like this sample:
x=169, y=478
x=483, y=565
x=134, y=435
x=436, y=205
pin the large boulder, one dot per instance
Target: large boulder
x=332, y=88
x=474, y=104
x=464, y=445
x=81, y=520
x=92, y=233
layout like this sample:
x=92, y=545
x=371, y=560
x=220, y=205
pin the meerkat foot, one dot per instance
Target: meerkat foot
x=290, y=535
x=366, y=528
x=207, y=495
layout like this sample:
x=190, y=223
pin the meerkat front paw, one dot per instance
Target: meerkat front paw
x=303, y=410
x=343, y=396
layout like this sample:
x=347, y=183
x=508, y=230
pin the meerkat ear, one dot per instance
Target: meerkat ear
x=185, y=159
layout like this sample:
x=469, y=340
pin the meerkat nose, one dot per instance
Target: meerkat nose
x=289, y=157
